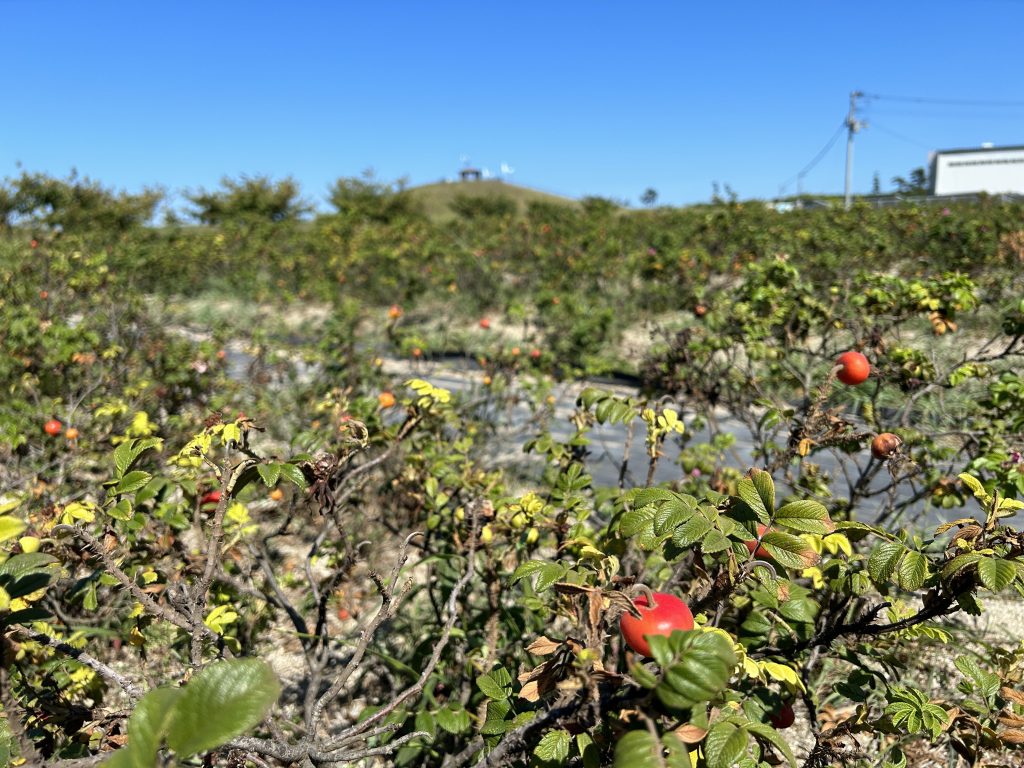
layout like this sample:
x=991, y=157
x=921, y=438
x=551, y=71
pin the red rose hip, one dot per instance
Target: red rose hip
x=668, y=614
x=855, y=368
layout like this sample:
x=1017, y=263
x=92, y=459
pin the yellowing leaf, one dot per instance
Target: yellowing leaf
x=783, y=674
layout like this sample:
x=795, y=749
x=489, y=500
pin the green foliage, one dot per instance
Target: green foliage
x=236, y=485
x=222, y=701
x=249, y=200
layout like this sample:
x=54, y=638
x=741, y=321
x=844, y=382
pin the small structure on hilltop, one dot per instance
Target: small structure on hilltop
x=470, y=174
x=988, y=169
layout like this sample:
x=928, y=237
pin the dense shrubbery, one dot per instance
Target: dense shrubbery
x=221, y=491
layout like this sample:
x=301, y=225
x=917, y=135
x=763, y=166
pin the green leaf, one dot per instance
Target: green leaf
x=696, y=666
x=960, y=562
x=883, y=560
x=788, y=550
x=270, y=473
x=293, y=474
x=453, y=718
x=769, y=734
x=807, y=516
x=527, y=569
x=637, y=520
x=913, y=570
x=643, y=676
x=996, y=574
x=496, y=685
x=122, y=510
x=694, y=529
x=131, y=482
x=147, y=727
x=553, y=746
x=222, y=701
x=724, y=744
x=758, y=492
x=548, y=575
x=128, y=452
x=987, y=683
x=20, y=566
x=637, y=749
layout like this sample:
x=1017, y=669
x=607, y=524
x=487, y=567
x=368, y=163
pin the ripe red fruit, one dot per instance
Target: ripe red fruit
x=761, y=553
x=535, y=354
x=210, y=497
x=885, y=445
x=784, y=718
x=53, y=427
x=700, y=310
x=668, y=614
x=855, y=368
x=44, y=295
x=485, y=323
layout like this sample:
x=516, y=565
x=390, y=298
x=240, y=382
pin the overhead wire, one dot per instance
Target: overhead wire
x=947, y=102
x=817, y=158
x=883, y=129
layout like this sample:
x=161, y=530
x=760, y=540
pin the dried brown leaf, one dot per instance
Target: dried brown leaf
x=543, y=646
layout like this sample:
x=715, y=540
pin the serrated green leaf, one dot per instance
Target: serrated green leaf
x=453, y=718
x=548, y=575
x=996, y=574
x=638, y=520
x=21, y=565
x=758, y=493
x=694, y=529
x=123, y=510
x=714, y=541
x=788, y=550
x=724, y=744
x=269, y=473
x=883, y=560
x=131, y=482
x=769, y=734
x=293, y=474
x=496, y=685
x=553, y=746
x=646, y=496
x=807, y=516
x=912, y=571
x=696, y=666
x=960, y=562
x=527, y=569
x=222, y=701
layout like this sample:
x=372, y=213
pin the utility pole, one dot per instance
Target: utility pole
x=852, y=126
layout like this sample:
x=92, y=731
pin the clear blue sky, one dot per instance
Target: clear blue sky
x=602, y=98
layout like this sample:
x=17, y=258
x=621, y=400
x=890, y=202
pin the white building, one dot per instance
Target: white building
x=994, y=170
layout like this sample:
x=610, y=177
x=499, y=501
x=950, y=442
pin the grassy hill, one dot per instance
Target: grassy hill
x=437, y=198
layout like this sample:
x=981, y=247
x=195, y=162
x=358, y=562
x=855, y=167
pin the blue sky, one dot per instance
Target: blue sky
x=602, y=98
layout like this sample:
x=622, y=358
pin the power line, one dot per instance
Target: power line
x=817, y=158
x=947, y=102
x=900, y=136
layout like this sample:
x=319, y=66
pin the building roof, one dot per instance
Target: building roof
x=1015, y=148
